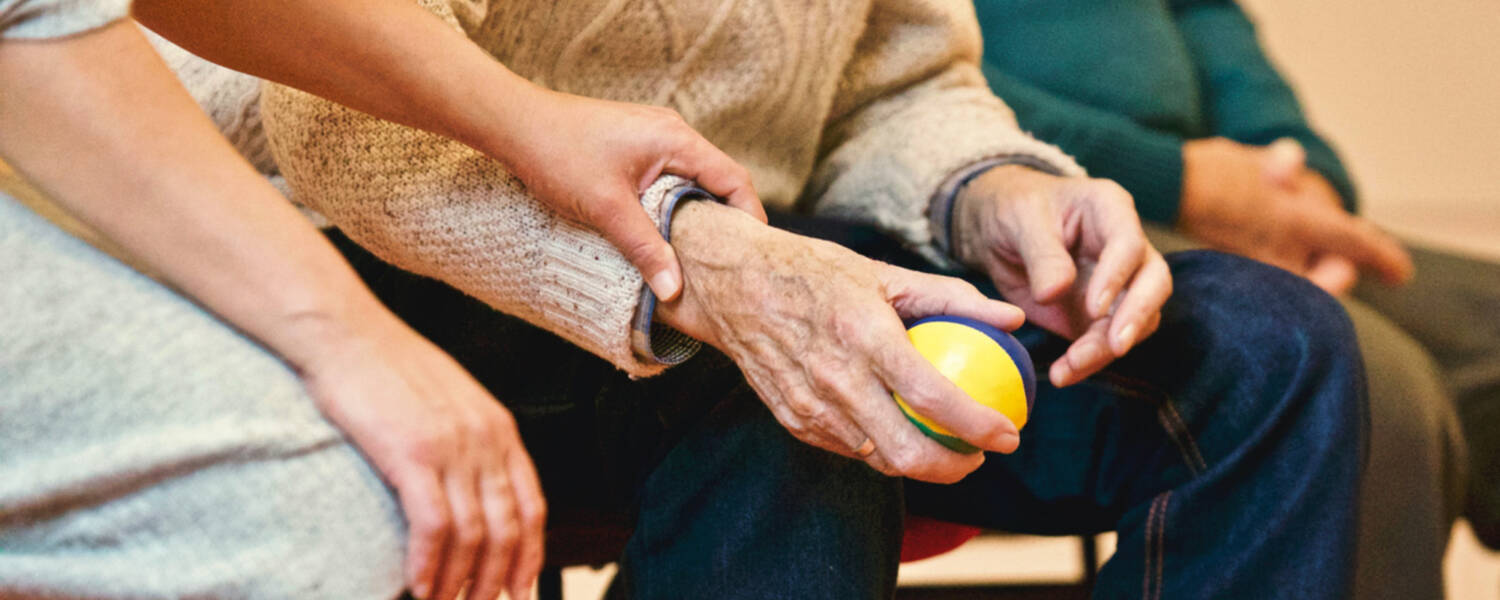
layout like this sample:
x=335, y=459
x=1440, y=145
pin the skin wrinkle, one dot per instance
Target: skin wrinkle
x=805, y=321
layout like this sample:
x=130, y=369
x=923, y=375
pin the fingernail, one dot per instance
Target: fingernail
x=1010, y=442
x=1126, y=338
x=665, y=285
x=420, y=591
x=1101, y=304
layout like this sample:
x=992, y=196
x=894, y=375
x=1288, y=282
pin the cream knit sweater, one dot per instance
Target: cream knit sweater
x=853, y=108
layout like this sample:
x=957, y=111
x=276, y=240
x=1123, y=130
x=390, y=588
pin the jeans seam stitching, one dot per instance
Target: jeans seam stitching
x=1167, y=415
x=1192, y=444
x=1161, y=542
x=1149, y=554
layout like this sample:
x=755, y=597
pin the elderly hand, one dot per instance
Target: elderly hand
x=1265, y=204
x=1071, y=253
x=466, y=484
x=591, y=159
x=817, y=331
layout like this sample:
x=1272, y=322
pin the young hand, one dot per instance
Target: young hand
x=591, y=159
x=466, y=484
x=1265, y=204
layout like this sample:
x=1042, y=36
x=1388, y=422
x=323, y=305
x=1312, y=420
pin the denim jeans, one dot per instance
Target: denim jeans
x=1226, y=450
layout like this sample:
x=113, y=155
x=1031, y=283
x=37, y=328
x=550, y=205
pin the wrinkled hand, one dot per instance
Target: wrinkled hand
x=1265, y=204
x=1072, y=254
x=591, y=159
x=817, y=331
x=466, y=484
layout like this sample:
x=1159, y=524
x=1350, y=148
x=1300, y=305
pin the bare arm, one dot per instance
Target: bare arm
x=389, y=58
x=394, y=60
x=100, y=124
x=143, y=177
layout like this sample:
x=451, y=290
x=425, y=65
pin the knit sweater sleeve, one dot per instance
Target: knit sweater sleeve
x=1246, y=98
x=436, y=207
x=913, y=111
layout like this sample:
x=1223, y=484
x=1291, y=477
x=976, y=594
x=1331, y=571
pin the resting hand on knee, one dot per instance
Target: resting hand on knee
x=1265, y=203
x=817, y=331
x=470, y=494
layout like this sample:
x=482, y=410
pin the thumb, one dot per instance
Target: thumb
x=637, y=238
x=1334, y=273
x=719, y=175
x=1282, y=161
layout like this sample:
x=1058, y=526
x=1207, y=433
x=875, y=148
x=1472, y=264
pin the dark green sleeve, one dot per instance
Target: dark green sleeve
x=1147, y=163
x=1245, y=98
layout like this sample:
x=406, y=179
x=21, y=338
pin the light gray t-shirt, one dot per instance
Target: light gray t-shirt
x=41, y=19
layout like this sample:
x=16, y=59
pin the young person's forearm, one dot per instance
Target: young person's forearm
x=389, y=58
x=101, y=125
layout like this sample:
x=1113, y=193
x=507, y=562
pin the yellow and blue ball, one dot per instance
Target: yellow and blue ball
x=986, y=363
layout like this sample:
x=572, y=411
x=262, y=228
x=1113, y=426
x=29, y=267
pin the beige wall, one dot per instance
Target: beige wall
x=1410, y=93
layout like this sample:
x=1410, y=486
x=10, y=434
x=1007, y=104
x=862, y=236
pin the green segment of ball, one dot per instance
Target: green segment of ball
x=988, y=364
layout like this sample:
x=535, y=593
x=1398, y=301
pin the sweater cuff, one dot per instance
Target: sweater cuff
x=1149, y=166
x=940, y=210
x=653, y=341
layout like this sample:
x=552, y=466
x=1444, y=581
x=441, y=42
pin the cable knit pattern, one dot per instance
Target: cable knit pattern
x=444, y=210
x=862, y=108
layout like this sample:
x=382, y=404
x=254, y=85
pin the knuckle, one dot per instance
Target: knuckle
x=1114, y=189
x=640, y=250
x=920, y=399
x=501, y=421
x=597, y=207
x=507, y=538
x=667, y=118
x=436, y=525
x=478, y=429
x=853, y=330
x=959, y=288
x=432, y=447
x=1108, y=190
x=826, y=381
x=824, y=420
x=470, y=532
x=904, y=461
x=534, y=518
x=799, y=429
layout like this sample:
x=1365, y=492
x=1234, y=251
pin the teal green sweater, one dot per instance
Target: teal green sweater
x=1121, y=84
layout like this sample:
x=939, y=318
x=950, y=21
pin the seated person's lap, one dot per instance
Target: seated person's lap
x=1242, y=410
x=140, y=433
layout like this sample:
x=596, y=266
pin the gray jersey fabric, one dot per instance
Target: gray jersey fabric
x=149, y=451
x=41, y=19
